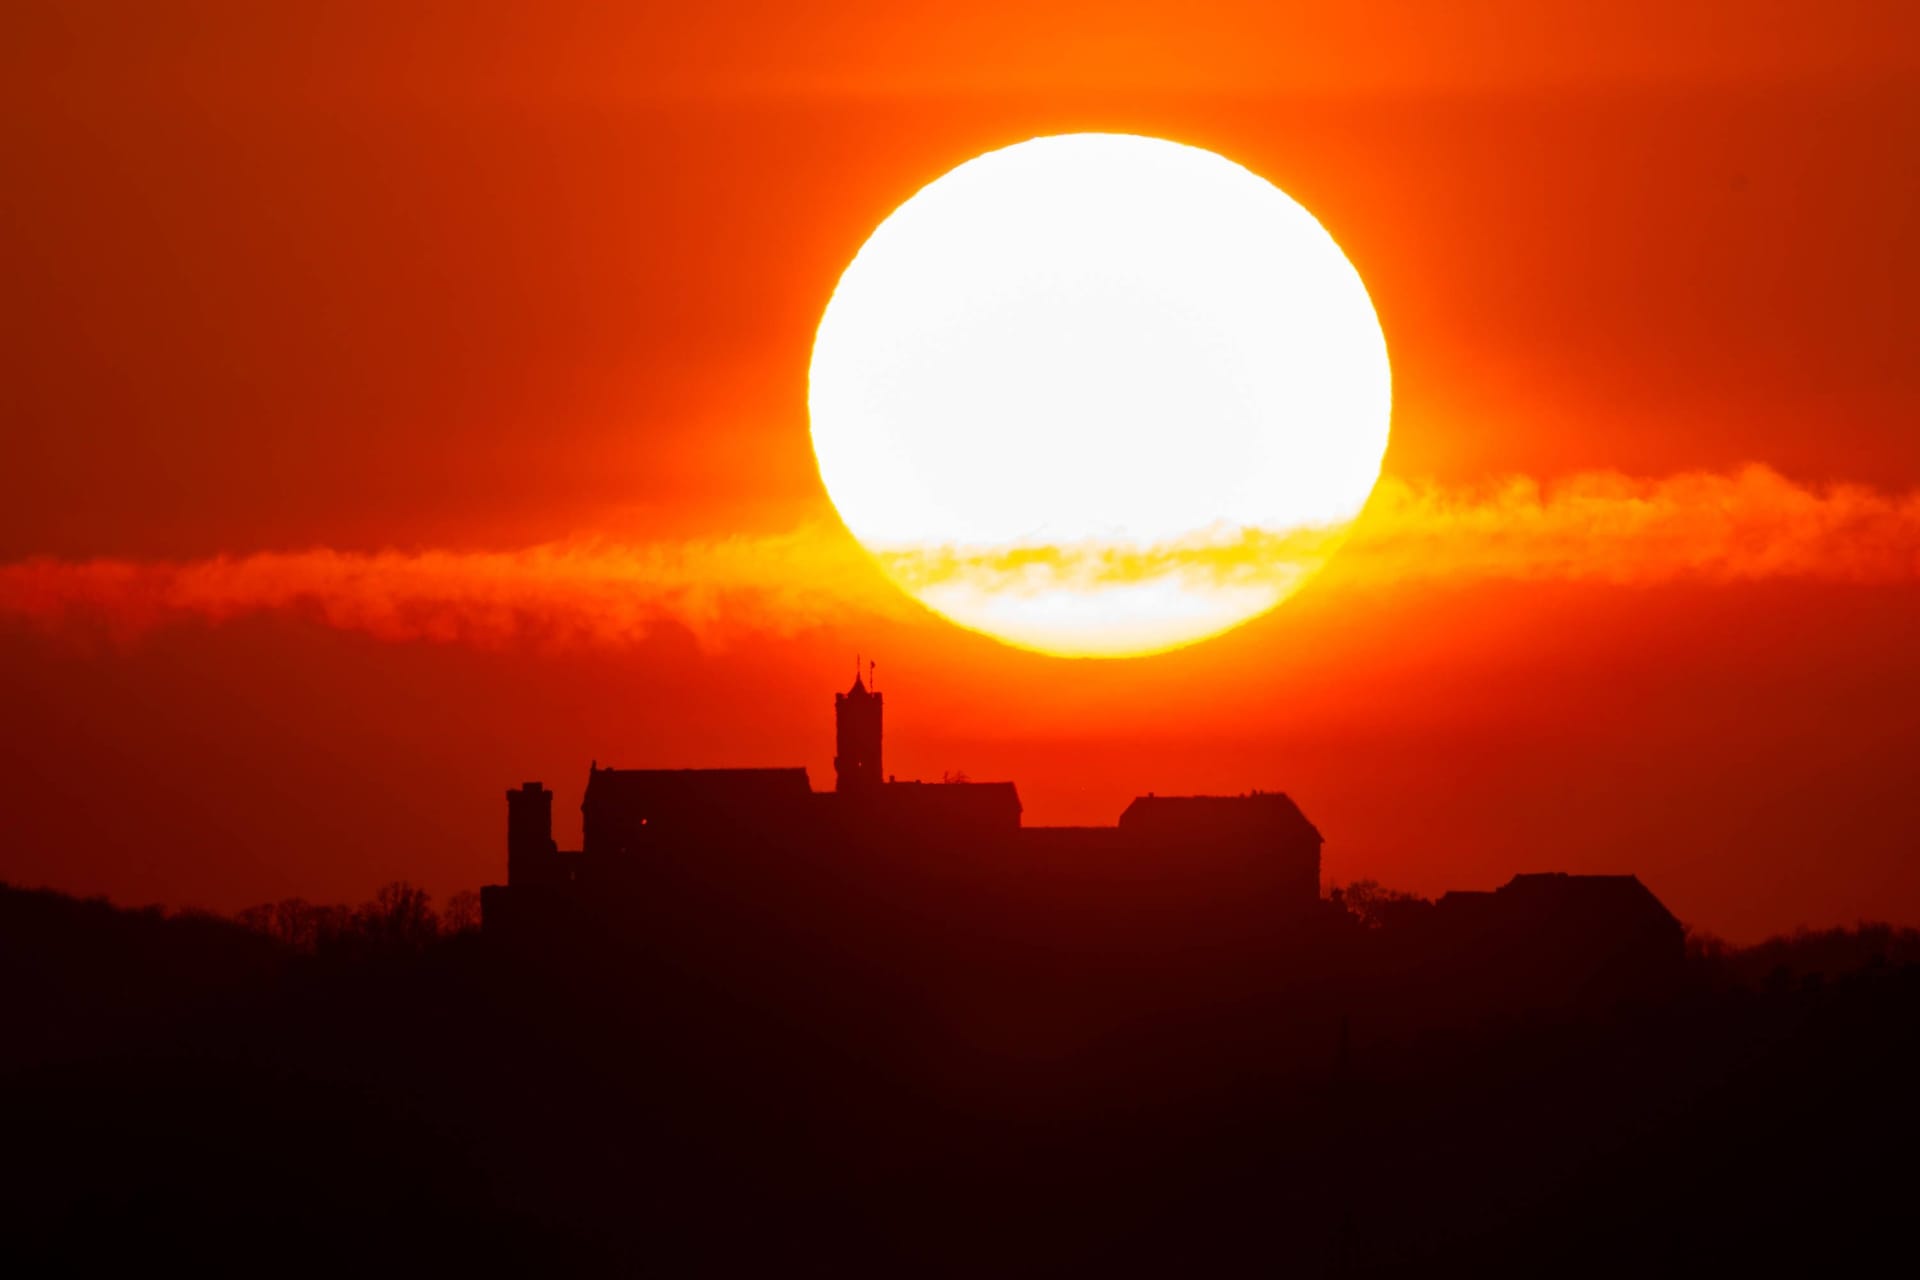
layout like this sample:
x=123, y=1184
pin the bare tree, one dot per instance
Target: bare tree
x=462, y=912
x=1380, y=908
x=400, y=918
x=292, y=922
x=259, y=919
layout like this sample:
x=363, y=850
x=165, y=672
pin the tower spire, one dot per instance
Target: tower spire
x=856, y=735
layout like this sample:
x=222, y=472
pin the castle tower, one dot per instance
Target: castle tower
x=530, y=847
x=856, y=738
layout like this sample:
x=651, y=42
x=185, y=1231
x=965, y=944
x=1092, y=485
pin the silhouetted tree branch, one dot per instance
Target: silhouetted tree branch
x=1380, y=908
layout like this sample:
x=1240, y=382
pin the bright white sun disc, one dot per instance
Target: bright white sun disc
x=1099, y=394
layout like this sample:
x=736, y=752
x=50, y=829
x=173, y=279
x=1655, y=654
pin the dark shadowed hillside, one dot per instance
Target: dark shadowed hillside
x=706, y=1100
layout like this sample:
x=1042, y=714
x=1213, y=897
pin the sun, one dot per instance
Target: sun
x=1100, y=395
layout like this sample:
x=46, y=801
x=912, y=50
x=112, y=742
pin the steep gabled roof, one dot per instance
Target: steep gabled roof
x=1545, y=896
x=1619, y=893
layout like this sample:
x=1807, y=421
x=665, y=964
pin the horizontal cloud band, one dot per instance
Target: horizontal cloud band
x=1748, y=525
x=559, y=593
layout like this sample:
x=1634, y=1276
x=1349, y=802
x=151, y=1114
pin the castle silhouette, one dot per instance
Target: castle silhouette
x=636, y=820
x=754, y=848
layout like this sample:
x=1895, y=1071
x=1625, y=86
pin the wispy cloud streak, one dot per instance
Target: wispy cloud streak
x=559, y=593
x=1746, y=526
x=1750, y=525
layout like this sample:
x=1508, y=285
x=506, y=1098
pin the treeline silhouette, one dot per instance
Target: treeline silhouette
x=400, y=917
x=1713, y=964
x=384, y=1088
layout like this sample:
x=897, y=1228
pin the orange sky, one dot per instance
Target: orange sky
x=482, y=278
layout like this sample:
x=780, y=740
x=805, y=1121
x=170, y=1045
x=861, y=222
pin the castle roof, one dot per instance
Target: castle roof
x=925, y=808
x=694, y=790
x=1269, y=812
x=956, y=799
x=1557, y=892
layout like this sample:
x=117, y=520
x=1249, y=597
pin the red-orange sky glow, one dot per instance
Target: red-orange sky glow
x=400, y=406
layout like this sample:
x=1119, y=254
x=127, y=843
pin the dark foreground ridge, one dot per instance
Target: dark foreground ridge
x=889, y=1030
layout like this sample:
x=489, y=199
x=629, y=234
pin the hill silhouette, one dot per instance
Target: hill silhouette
x=191, y=1089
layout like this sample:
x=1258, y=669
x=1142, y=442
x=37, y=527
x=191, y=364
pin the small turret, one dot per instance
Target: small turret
x=531, y=854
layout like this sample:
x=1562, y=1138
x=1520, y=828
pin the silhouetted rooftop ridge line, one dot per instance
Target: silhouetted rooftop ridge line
x=1620, y=889
x=723, y=771
x=1265, y=807
x=1549, y=877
